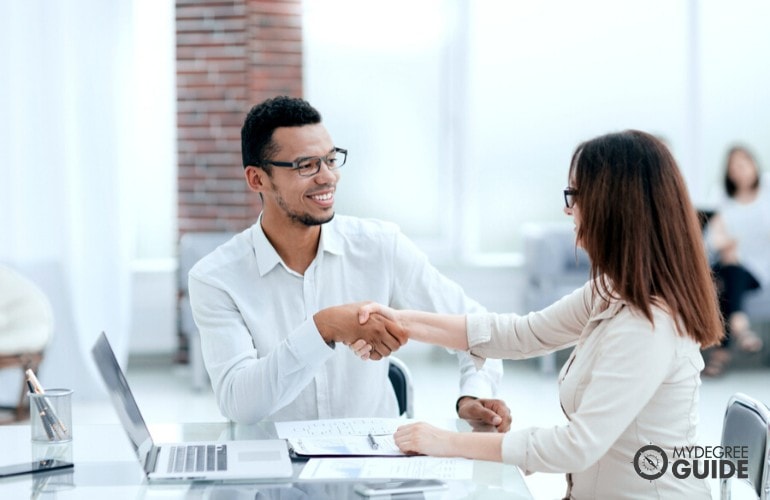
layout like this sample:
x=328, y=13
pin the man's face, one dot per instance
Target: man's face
x=305, y=200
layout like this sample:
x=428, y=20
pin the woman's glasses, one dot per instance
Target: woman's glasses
x=569, y=197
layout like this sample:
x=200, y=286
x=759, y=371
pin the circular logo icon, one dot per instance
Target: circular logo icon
x=650, y=462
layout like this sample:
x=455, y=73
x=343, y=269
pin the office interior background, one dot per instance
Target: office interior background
x=120, y=125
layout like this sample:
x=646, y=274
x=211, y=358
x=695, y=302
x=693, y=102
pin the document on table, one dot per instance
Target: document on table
x=343, y=446
x=341, y=437
x=338, y=427
x=388, y=468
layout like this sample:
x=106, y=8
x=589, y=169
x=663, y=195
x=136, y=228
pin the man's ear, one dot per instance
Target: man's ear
x=256, y=178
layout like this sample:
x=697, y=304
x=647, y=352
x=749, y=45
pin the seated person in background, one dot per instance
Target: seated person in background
x=739, y=233
x=637, y=327
x=267, y=303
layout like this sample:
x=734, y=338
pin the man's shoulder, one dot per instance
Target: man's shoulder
x=227, y=253
x=350, y=227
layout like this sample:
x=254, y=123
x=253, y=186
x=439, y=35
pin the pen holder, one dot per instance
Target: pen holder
x=51, y=416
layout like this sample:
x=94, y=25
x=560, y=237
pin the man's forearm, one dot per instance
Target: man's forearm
x=254, y=388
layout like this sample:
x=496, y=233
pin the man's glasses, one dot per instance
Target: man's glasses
x=569, y=197
x=308, y=167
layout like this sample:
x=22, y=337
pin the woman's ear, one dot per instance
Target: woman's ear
x=255, y=178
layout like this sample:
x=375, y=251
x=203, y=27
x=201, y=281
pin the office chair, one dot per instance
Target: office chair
x=553, y=267
x=26, y=326
x=747, y=423
x=401, y=378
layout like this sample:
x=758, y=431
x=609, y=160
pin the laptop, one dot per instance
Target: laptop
x=207, y=461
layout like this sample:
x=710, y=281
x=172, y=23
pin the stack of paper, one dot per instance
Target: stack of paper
x=359, y=437
x=341, y=437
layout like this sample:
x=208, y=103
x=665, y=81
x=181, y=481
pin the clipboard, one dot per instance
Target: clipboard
x=381, y=445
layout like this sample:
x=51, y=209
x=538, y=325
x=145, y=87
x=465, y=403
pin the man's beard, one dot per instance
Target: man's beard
x=304, y=219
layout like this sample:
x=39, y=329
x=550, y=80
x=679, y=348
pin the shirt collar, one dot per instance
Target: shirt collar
x=268, y=258
x=331, y=238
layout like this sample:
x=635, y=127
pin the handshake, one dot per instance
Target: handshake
x=371, y=330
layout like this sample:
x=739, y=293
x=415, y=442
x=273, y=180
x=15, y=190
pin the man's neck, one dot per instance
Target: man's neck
x=296, y=243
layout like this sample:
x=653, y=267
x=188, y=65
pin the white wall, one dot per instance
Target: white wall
x=153, y=180
x=88, y=164
x=461, y=117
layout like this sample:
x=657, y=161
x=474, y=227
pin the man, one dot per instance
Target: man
x=267, y=303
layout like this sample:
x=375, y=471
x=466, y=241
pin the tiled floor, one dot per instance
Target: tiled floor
x=164, y=394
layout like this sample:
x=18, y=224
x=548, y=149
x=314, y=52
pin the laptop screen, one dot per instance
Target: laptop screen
x=122, y=399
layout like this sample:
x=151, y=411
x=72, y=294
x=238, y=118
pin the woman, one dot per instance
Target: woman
x=740, y=235
x=637, y=326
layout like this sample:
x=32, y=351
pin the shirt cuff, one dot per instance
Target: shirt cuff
x=477, y=385
x=479, y=332
x=308, y=346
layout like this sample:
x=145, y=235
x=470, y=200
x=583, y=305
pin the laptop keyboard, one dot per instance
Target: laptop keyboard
x=198, y=458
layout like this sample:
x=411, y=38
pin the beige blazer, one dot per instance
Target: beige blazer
x=628, y=383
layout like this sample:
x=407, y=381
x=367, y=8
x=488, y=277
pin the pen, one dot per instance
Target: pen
x=36, y=387
x=372, y=442
x=45, y=418
x=56, y=423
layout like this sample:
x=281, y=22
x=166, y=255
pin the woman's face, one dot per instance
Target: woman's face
x=742, y=171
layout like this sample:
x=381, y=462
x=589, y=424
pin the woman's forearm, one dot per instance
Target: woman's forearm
x=478, y=445
x=446, y=330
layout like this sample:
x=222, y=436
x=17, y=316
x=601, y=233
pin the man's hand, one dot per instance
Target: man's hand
x=341, y=324
x=485, y=415
x=360, y=347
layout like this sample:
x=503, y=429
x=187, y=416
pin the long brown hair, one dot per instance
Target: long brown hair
x=642, y=233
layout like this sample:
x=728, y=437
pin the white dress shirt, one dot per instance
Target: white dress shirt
x=262, y=350
x=627, y=384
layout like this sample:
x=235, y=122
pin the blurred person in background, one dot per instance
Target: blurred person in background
x=739, y=236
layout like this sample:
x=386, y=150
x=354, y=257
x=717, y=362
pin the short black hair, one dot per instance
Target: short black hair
x=257, y=132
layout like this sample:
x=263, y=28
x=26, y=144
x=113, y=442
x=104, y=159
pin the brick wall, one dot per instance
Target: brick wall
x=230, y=55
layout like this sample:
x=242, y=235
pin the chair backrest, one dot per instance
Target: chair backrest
x=747, y=423
x=26, y=317
x=401, y=379
x=553, y=265
x=194, y=246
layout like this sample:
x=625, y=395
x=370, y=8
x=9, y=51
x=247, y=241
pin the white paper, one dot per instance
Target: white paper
x=338, y=427
x=388, y=468
x=345, y=445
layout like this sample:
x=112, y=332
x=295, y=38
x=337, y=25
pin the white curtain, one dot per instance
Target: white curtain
x=66, y=148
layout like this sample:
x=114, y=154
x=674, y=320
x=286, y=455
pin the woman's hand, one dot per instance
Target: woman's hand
x=374, y=308
x=361, y=349
x=425, y=439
